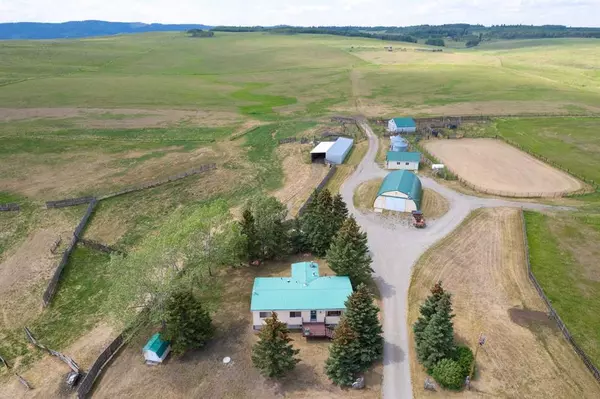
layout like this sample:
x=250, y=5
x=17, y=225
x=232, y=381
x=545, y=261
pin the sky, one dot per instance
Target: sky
x=308, y=12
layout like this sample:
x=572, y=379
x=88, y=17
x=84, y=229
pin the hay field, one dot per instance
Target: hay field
x=482, y=264
x=493, y=166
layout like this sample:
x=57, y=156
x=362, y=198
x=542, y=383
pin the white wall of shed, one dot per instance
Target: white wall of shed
x=394, y=165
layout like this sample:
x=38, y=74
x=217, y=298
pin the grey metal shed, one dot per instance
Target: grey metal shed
x=339, y=150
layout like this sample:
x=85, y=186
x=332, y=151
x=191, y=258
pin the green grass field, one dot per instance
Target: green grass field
x=95, y=115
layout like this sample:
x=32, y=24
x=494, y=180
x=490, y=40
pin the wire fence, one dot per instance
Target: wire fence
x=584, y=357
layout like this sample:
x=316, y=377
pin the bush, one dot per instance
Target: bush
x=464, y=357
x=449, y=374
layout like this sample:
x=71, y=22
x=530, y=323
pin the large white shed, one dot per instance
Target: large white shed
x=334, y=152
x=400, y=191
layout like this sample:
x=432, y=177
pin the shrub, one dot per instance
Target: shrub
x=449, y=374
x=464, y=357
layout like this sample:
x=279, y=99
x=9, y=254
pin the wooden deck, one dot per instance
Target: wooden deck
x=316, y=330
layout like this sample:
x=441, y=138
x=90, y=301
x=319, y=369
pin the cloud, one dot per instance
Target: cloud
x=308, y=12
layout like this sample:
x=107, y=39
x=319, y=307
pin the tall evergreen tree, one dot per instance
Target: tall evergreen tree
x=273, y=355
x=341, y=366
x=187, y=324
x=349, y=253
x=434, y=332
x=340, y=213
x=361, y=314
x=249, y=230
x=317, y=223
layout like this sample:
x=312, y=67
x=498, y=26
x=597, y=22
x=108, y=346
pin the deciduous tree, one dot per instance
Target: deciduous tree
x=269, y=220
x=273, y=355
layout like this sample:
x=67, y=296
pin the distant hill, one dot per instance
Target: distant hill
x=78, y=29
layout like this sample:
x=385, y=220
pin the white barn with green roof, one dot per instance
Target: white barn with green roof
x=402, y=125
x=400, y=191
x=305, y=300
x=403, y=160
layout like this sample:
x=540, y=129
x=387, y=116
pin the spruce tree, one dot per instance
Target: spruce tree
x=349, y=253
x=341, y=367
x=427, y=310
x=273, y=355
x=187, y=324
x=434, y=335
x=249, y=230
x=339, y=213
x=317, y=223
x=361, y=315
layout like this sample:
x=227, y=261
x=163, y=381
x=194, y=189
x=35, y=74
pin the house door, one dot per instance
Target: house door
x=313, y=315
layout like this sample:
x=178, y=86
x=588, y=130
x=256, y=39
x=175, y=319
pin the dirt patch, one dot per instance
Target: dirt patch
x=433, y=204
x=203, y=374
x=123, y=118
x=300, y=176
x=495, y=167
x=483, y=265
x=47, y=376
x=530, y=318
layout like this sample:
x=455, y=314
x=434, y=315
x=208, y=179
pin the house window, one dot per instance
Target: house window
x=295, y=314
x=264, y=315
x=408, y=163
x=334, y=313
x=398, y=163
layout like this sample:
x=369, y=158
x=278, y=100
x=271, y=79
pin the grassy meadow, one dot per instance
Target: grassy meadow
x=90, y=116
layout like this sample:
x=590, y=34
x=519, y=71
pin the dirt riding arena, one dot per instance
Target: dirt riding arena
x=494, y=167
x=525, y=356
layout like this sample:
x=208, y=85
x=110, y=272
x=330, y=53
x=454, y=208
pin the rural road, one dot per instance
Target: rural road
x=395, y=248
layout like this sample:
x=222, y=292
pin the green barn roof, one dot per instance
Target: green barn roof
x=156, y=345
x=403, y=156
x=405, y=122
x=404, y=181
x=305, y=289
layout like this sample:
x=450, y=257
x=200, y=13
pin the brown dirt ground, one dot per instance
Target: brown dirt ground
x=122, y=118
x=202, y=373
x=28, y=266
x=301, y=177
x=483, y=265
x=48, y=374
x=433, y=204
x=494, y=166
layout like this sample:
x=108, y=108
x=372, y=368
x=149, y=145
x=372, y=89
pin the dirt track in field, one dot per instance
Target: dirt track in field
x=494, y=166
x=483, y=265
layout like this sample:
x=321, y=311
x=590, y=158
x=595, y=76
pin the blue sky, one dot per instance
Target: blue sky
x=308, y=12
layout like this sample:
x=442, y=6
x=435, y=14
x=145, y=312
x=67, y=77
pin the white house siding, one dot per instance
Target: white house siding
x=414, y=166
x=295, y=322
x=391, y=125
x=395, y=129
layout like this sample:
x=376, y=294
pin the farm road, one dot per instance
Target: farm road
x=395, y=248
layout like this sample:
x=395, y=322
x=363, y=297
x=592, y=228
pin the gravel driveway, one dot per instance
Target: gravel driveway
x=395, y=248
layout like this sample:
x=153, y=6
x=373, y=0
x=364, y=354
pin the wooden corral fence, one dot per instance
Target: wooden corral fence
x=9, y=207
x=325, y=180
x=86, y=385
x=66, y=359
x=565, y=331
x=53, y=284
x=98, y=246
x=201, y=169
x=68, y=202
x=287, y=140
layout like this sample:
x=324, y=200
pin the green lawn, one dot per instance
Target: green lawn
x=564, y=251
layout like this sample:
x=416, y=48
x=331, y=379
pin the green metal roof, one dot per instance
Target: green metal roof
x=156, y=345
x=404, y=181
x=403, y=156
x=305, y=289
x=405, y=122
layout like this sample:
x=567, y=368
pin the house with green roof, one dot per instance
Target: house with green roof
x=156, y=350
x=403, y=160
x=400, y=191
x=305, y=300
x=402, y=125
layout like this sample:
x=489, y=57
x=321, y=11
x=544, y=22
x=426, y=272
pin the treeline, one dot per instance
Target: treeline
x=456, y=32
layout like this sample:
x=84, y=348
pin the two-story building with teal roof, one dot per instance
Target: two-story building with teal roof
x=402, y=125
x=400, y=191
x=305, y=300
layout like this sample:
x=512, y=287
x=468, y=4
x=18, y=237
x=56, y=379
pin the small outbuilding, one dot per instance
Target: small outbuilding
x=403, y=160
x=398, y=143
x=400, y=191
x=402, y=125
x=156, y=350
x=333, y=152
